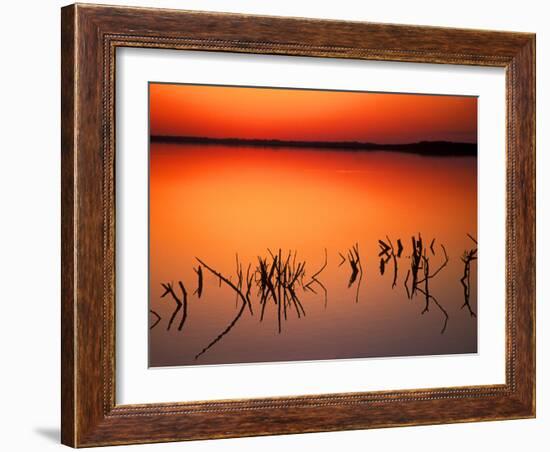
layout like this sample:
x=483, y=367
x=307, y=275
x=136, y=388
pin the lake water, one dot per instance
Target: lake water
x=216, y=202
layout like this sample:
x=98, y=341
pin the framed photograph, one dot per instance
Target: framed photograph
x=281, y=225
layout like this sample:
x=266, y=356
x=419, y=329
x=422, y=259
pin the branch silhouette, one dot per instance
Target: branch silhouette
x=244, y=304
x=315, y=280
x=198, y=290
x=158, y=318
x=467, y=258
x=387, y=253
x=354, y=259
x=168, y=289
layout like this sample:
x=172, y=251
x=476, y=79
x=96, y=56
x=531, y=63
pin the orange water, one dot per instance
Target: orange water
x=213, y=202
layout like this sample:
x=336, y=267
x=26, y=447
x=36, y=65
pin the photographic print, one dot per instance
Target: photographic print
x=302, y=224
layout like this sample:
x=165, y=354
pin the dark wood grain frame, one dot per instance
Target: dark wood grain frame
x=90, y=36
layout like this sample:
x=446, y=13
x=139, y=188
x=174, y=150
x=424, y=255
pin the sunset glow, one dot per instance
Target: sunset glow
x=292, y=114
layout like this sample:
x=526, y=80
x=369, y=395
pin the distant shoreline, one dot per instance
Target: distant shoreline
x=446, y=148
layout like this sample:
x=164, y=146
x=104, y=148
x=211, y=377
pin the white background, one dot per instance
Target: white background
x=137, y=384
x=29, y=251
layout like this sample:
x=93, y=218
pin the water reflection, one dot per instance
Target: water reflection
x=279, y=280
x=309, y=254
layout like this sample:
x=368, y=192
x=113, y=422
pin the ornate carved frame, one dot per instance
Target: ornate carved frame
x=90, y=36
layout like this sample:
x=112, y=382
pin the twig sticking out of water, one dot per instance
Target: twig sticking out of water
x=343, y=261
x=156, y=322
x=387, y=252
x=241, y=279
x=399, y=248
x=406, y=285
x=245, y=298
x=242, y=295
x=383, y=255
x=395, y=268
x=426, y=289
x=277, y=279
x=416, y=262
x=467, y=258
x=168, y=289
x=384, y=248
x=265, y=284
x=315, y=280
x=354, y=260
x=441, y=267
x=421, y=261
x=198, y=290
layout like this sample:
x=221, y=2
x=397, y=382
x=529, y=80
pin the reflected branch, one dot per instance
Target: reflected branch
x=227, y=281
x=399, y=248
x=442, y=266
x=432, y=298
x=343, y=261
x=198, y=290
x=416, y=261
x=421, y=262
x=180, y=303
x=245, y=298
x=277, y=279
x=387, y=253
x=315, y=280
x=158, y=318
x=406, y=285
x=224, y=332
x=354, y=260
x=168, y=290
x=467, y=258
x=184, y=305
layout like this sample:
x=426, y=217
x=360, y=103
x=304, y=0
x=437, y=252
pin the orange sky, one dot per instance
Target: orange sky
x=291, y=114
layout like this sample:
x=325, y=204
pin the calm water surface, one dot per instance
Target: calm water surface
x=216, y=202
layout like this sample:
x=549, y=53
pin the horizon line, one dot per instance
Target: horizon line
x=424, y=146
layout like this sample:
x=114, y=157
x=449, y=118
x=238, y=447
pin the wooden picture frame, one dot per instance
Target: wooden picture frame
x=90, y=36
